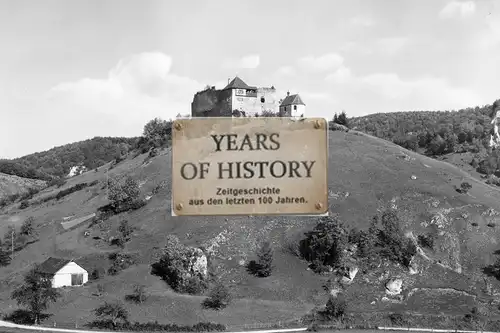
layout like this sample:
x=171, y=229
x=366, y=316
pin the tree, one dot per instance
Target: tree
x=112, y=312
x=36, y=293
x=342, y=119
x=138, y=295
x=324, y=246
x=124, y=193
x=265, y=259
x=465, y=187
x=5, y=259
x=219, y=297
x=157, y=132
x=125, y=230
x=28, y=228
x=335, y=308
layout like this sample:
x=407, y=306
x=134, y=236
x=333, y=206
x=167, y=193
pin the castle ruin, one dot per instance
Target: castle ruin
x=239, y=99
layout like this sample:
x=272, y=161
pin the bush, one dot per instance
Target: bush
x=25, y=204
x=426, y=241
x=219, y=297
x=125, y=193
x=57, y=182
x=398, y=319
x=264, y=266
x=175, y=268
x=78, y=187
x=324, y=246
x=335, y=308
x=464, y=188
x=138, y=294
x=155, y=326
x=120, y=261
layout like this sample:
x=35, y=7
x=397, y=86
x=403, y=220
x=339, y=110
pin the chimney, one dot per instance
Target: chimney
x=228, y=80
x=288, y=93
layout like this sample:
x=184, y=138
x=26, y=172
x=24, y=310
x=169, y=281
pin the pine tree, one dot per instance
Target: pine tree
x=265, y=259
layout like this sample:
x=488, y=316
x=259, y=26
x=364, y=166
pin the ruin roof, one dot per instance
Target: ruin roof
x=292, y=100
x=238, y=83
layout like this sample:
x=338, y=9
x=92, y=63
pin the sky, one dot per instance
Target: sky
x=73, y=70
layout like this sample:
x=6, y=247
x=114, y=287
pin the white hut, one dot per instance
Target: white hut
x=64, y=272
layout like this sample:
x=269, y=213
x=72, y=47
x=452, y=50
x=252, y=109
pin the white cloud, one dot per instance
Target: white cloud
x=362, y=21
x=391, y=45
x=138, y=88
x=422, y=93
x=286, y=71
x=458, y=9
x=327, y=62
x=251, y=61
x=354, y=47
x=341, y=75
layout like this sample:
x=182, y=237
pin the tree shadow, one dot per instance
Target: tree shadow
x=490, y=271
x=24, y=317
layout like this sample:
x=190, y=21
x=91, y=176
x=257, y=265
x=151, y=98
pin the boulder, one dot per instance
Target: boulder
x=350, y=274
x=394, y=286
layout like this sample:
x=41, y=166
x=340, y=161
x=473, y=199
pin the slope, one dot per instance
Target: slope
x=10, y=185
x=365, y=175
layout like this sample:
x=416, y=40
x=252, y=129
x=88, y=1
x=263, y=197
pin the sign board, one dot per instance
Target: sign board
x=241, y=92
x=249, y=166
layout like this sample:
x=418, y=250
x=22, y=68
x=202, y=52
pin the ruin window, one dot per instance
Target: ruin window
x=262, y=100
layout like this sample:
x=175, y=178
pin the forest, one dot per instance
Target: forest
x=57, y=161
x=436, y=133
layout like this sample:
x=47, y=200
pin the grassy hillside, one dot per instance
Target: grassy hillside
x=11, y=185
x=366, y=174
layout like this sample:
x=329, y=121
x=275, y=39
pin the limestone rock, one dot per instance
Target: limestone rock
x=394, y=286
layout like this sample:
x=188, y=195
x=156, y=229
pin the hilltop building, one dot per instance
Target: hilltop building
x=239, y=99
x=292, y=106
x=63, y=272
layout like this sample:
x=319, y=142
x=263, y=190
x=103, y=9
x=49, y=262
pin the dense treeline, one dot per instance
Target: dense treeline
x=57, y=161
x=433, y=133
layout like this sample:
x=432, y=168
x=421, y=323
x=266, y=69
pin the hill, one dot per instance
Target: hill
x=58, y=161
x=366, y=175
x=461, y=137
x=14, y=185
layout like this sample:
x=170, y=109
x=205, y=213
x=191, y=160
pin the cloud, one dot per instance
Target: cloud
x=251, y=61
x=490, y=37
x=353, y=47
x=327, y=62
x=362, y=21
x=286, y=71
x=425, y=93
x=460, y=9
x=139, y=87
x=391, y=45
x=341, y=75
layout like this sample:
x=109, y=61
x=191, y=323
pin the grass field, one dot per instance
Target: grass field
x=365, y=174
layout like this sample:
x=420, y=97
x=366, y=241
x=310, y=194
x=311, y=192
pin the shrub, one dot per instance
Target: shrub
x=175, y=268
x=464, y=187
x=120, y=261
x=264, y=266
x=125, y=230
x=426, y=240
x=219, y=297
x=155, y=326
x=28, y=227
x=335, y=308
x=491, y=225
x=123, y=193
x=25, y=204
x=398, y=319
x=138, y=294
x=57, y=182
x=324, y=246
x=78, y=187
x=113, y=312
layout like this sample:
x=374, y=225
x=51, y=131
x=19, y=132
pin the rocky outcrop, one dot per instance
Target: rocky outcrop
x=495, y=119
x=349, y=274
x=394, y=286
